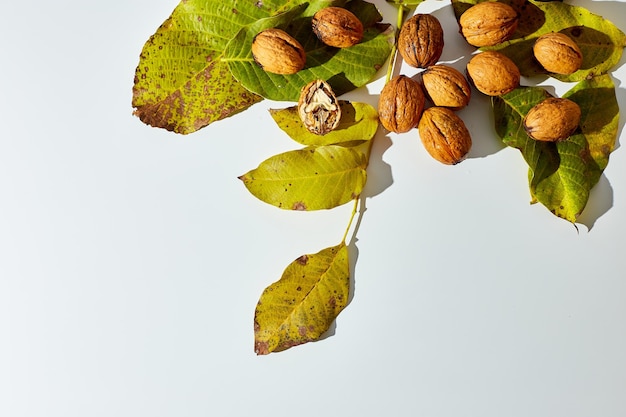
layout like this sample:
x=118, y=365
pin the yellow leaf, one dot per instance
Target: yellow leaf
x=302, y=305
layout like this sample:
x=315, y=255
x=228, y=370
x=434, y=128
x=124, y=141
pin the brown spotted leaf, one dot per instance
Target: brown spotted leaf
x=302, y=305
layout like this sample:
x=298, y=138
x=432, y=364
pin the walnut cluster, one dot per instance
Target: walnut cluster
x=277, y=52
x=402, y=105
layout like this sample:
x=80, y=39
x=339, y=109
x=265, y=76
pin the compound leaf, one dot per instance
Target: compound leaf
x=313, y=178
x=302, y=305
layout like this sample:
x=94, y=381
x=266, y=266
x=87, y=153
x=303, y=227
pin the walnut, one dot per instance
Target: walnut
x=553, y=119
x=420, y=42
x=400, y=104
x=446, y=87
x=278, y=52
x=558, y=53
x=444, y=135
x=493, y=73
x=318, y=107
x=338, y=27
x=488, y=23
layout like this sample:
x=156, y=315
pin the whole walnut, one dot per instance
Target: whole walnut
x=420, y=42
x=338, y=27
x=401, y=104
x=493, y=73
x=318, y=107
x=553, y=119
x=446, y=87
x=278, y=52
x=558, y=53
x=444, y=135
x=488, y=23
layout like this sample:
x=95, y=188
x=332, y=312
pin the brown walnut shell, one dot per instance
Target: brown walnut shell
x=318, y=107
x=444, y=135
x=338, y=27
x=558, y=53
x=401, y=104
x=278, y=52
x=553, y=119
x=488, y=23
x=493, y=73
x=420, y=42
x=446, y=87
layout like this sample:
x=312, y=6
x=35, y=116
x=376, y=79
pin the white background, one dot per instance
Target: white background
x=131, y=258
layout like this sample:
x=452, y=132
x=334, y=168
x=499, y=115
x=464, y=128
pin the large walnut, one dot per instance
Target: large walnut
x=488, y=23
x=420, y=42
x=338, y=27
x=558, y=53
x=493, y=73
x=447, y=87
x=401, y=104
x=278, y=52
x=553, y=119
x=444, y=135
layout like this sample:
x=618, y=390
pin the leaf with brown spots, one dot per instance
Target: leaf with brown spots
x=312, y=178
x=302, y=305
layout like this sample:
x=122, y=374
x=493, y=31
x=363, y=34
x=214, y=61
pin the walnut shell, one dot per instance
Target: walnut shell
x=278, y=52
x=493, y=73
x=444, y=135
x=553, y=119
x=446, y=87
x=420, y=42
x=401, y=104
x=558, y=53
x=338, y=27
x=488, y=23
x=318, y=107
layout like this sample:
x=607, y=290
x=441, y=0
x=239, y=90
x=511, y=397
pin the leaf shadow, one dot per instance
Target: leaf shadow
x=378, y=180
x=599, y=203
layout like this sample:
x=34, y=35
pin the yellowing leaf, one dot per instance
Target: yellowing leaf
x=312, y=178
x=359, y=121
x=302, y=305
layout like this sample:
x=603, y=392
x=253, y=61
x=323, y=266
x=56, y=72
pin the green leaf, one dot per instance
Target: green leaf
x=302, y=305
x=359, y=122
x=181, y=83
x=343, y=68
x=600, y=41
x=562, y=174
x=313, y=178
x=406, y=3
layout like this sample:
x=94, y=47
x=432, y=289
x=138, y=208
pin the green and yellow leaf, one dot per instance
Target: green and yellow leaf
x=302, y=305
x=343, y=68
x=600, y=41
x=313, y=178
x=359, y=122
x=562, y=174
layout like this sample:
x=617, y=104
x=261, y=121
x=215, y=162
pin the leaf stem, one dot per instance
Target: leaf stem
x=354, y=210
x=394, y=47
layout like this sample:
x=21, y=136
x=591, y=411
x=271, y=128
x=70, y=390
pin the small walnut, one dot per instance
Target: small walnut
x=446, y=87
x=338, y=27
x=420, y=42
x=488, y=23
x=401, y=104
x=553, y=119
x=444, y=135
x=558, y=53
x=493, y=73
x=318, y=107
x=278, y=52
